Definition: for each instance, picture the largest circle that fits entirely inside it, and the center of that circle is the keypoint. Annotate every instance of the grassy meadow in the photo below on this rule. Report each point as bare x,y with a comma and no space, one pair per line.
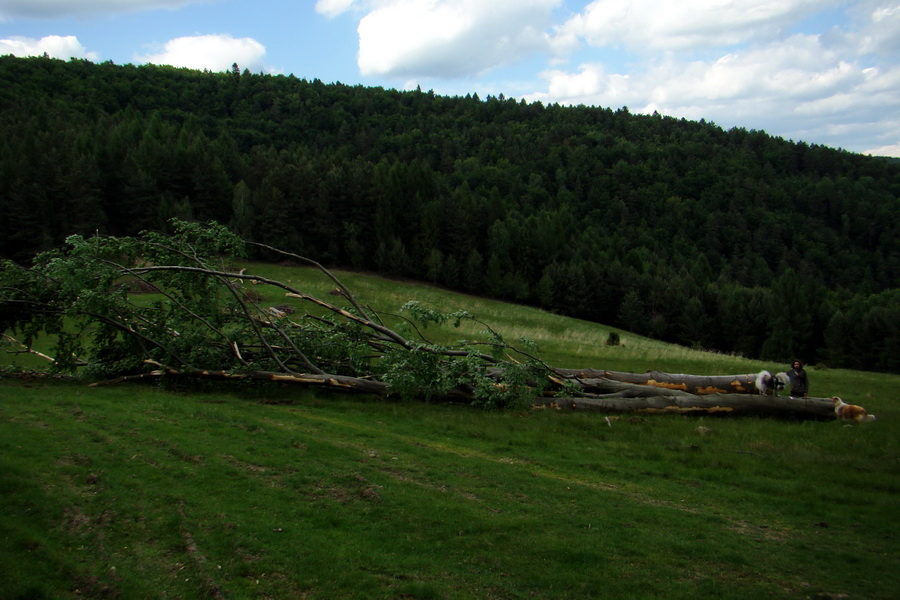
262,491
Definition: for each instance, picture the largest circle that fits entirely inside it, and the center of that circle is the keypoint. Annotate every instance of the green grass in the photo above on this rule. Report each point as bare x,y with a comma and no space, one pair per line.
267,492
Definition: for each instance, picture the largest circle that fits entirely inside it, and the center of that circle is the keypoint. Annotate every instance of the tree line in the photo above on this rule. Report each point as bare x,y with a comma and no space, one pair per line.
731,240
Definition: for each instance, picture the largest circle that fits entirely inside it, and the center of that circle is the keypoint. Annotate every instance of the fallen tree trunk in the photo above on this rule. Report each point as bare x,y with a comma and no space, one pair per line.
595,380
337,382
641,399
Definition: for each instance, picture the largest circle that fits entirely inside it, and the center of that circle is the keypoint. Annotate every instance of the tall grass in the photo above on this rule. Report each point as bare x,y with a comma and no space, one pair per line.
270,492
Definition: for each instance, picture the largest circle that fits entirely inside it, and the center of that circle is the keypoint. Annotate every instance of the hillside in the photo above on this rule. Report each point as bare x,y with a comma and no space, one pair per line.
730,240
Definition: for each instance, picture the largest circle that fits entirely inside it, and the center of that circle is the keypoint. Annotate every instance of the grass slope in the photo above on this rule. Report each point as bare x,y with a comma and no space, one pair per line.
135,492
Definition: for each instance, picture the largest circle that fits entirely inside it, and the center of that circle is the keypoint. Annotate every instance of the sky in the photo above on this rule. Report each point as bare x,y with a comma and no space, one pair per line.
818,71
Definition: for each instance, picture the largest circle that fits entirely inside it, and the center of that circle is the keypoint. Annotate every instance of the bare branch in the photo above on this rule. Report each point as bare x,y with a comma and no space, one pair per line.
344,290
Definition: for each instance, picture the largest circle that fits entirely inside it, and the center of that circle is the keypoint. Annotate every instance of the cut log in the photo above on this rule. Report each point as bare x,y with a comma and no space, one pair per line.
642,399
594,380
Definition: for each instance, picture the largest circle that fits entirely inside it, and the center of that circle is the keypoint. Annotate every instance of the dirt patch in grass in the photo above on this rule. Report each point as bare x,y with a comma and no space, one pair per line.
347,489
763,531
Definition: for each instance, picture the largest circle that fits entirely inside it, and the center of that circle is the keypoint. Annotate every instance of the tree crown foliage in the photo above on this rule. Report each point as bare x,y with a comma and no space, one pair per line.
199,318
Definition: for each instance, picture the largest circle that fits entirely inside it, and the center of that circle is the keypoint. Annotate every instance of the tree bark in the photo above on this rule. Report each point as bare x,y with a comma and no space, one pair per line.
594,380
643,399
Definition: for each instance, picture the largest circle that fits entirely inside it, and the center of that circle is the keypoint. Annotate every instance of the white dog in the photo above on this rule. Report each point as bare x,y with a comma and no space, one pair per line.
767,384
781,382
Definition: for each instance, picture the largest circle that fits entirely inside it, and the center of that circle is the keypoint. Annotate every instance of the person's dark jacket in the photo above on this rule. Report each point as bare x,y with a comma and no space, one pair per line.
799,381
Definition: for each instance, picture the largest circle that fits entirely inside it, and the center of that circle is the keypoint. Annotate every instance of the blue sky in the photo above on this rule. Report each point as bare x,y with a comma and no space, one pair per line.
821,71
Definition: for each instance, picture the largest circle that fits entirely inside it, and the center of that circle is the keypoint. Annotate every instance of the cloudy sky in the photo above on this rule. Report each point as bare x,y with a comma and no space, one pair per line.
821,71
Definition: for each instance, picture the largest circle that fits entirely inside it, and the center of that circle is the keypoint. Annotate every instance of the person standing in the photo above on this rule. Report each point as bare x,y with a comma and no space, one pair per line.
799,380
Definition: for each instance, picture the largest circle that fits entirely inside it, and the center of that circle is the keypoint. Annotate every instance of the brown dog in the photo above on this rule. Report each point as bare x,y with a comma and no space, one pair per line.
850,412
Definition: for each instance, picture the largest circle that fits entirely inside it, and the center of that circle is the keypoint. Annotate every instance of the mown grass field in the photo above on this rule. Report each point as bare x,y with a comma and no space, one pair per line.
267,492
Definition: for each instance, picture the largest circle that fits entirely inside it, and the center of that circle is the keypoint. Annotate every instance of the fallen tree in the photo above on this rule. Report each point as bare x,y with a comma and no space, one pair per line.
203,319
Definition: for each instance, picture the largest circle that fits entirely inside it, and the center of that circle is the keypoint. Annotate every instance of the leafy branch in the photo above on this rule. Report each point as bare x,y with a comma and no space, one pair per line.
202,318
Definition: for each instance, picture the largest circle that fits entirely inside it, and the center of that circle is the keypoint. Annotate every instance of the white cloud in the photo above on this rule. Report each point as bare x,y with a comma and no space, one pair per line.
736,62
797,88
653,25
63,47
891,150
837,86
448,38
333,8
879,24
212,52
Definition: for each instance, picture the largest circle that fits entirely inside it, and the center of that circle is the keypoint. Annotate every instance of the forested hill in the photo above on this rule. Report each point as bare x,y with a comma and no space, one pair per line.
730,240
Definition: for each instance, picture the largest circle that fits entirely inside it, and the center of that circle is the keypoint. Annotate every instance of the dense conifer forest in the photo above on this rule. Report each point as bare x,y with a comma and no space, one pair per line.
733,240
